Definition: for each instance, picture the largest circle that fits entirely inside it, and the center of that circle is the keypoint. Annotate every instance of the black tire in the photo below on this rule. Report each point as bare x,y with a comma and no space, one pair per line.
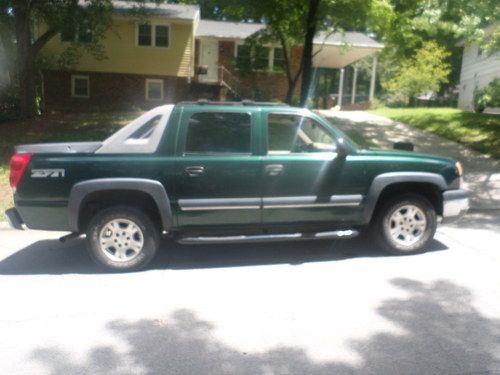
146,232
383,225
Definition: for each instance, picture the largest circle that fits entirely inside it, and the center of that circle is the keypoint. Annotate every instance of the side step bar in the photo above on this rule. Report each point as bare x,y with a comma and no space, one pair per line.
350,233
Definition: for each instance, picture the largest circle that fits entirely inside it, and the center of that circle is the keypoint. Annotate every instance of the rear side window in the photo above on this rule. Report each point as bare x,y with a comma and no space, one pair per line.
219,133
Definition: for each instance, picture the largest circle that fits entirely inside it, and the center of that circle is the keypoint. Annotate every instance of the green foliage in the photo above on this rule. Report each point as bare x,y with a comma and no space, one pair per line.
479,131
425,71
488,96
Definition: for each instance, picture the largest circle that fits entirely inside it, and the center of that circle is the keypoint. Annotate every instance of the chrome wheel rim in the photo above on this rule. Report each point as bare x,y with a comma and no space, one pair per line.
406,225
121,240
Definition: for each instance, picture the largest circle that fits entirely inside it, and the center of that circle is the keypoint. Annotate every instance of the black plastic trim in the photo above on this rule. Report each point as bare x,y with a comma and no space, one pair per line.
383,180
14,219
151,187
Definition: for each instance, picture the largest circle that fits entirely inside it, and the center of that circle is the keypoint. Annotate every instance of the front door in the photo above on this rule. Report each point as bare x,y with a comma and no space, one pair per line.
218,169
209,56
304,180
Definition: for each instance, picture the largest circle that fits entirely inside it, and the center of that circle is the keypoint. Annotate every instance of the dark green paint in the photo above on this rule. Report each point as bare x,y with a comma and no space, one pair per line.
42,202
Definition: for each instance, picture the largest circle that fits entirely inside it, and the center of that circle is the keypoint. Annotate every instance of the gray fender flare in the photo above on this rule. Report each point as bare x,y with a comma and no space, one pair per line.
383,180
151,187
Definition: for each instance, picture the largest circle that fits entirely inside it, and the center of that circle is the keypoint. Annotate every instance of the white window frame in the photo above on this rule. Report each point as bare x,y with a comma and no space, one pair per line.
153,34
155,80
74,77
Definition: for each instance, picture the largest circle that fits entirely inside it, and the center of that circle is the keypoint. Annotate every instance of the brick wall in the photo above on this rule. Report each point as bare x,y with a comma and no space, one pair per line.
258,85
117,91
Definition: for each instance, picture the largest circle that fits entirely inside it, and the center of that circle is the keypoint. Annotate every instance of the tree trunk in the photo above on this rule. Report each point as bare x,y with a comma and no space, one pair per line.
312,18
26,61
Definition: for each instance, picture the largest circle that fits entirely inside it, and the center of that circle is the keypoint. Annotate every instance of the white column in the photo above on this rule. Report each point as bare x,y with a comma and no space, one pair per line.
341,86
374,76
354,83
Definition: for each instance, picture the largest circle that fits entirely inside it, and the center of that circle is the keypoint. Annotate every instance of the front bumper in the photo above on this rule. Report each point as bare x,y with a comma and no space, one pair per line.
14,218
455,204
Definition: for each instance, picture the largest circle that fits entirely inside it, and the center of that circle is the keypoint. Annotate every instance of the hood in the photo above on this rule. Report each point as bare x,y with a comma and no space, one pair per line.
406,155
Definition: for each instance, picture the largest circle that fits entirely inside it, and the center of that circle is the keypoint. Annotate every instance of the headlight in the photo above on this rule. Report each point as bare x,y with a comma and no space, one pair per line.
458,167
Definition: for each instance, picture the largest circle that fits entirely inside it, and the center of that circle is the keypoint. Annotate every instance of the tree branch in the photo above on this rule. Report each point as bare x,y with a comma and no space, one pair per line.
42,40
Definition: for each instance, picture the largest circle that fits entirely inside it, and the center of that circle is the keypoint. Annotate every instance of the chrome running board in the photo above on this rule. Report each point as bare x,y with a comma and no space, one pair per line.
350,233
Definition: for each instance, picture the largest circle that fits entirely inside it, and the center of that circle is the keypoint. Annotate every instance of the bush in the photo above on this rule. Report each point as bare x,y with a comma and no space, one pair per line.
488,96
9,103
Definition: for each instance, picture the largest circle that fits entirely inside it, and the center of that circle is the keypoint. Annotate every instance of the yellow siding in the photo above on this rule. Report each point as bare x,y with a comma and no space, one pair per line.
124,56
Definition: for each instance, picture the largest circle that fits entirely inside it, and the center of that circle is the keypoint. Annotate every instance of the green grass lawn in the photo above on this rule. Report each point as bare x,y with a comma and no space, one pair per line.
478,131
53,128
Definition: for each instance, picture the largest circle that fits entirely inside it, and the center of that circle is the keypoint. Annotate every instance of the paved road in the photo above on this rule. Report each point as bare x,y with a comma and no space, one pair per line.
482,173
291,308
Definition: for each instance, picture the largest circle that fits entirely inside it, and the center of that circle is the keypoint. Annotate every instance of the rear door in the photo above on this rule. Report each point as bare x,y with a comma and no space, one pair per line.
218,169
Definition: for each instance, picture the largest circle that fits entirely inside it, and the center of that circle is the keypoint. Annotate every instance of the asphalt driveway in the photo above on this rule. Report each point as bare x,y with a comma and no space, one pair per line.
281,308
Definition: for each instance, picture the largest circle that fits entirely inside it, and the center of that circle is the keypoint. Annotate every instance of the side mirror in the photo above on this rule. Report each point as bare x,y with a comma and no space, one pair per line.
405,146
341,148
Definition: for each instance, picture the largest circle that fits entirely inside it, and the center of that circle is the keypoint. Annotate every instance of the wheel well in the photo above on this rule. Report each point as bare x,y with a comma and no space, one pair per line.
430,191
100,200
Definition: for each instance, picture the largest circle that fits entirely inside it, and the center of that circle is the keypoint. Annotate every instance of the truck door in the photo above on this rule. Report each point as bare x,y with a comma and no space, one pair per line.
217,168
304,179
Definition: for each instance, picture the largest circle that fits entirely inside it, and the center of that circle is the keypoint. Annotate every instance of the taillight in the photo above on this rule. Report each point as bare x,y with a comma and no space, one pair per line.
18,165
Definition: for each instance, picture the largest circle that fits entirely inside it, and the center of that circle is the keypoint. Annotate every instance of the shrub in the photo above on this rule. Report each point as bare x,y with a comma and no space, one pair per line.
488,96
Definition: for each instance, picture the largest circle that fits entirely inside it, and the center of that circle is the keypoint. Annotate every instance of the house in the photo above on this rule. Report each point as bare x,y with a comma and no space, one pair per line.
173,56
478,70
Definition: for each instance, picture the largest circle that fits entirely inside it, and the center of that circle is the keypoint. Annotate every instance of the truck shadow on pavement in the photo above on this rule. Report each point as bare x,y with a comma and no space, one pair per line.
54,257
440,332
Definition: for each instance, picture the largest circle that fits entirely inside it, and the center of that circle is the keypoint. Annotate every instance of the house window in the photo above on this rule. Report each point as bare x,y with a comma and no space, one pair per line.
243,55
144,35
80,86
279,60
262,57
153,35
154,89
219,133
161,36
80,34
68,34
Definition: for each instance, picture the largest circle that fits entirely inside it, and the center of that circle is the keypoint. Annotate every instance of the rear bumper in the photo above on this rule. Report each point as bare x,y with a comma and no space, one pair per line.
14,219
455,204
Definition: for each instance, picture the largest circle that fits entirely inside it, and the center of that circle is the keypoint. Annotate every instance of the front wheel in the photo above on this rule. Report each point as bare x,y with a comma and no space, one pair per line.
122,238
405,224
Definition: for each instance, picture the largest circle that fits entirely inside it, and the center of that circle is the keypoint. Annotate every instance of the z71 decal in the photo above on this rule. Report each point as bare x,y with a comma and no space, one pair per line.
43,173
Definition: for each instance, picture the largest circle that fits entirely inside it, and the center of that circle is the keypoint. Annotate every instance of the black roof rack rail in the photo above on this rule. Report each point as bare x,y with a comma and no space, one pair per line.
243,102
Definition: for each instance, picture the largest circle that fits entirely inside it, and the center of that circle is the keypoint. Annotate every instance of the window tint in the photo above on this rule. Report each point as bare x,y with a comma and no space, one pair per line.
145,131
218,132
161,36
295,134
144,37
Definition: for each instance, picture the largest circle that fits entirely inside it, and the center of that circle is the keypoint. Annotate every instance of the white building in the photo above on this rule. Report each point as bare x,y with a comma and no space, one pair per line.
478,70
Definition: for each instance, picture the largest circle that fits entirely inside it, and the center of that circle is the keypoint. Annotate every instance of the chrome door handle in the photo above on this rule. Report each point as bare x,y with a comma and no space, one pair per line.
194,171
274,169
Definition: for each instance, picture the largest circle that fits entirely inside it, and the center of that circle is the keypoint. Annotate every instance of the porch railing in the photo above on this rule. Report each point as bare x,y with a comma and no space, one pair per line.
229,81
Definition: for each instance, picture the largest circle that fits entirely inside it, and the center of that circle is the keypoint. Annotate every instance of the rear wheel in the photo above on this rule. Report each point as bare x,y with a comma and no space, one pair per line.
405,224
122,238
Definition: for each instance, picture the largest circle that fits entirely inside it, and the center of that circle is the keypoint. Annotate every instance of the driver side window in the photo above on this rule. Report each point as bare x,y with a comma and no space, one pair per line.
288,134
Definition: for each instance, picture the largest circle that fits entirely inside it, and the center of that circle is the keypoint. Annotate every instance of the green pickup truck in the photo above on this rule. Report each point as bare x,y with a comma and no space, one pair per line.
206,172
